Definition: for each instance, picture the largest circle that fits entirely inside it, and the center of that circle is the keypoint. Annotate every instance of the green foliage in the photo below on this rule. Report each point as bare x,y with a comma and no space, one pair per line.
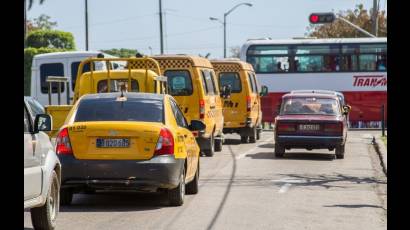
339,29
124,53
28,59
41,23
51,39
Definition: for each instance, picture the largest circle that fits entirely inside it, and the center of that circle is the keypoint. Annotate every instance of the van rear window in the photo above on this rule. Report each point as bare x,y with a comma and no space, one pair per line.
51,69
102,86
179,82
231,79
109,109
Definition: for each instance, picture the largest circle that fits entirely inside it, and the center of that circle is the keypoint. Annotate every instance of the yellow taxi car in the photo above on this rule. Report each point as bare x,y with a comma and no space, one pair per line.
128,141
242,108
191,81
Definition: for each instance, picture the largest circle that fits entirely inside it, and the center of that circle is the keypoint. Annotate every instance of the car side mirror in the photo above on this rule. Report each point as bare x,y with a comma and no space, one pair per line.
196,125
226,91
264,90
42,122
346,109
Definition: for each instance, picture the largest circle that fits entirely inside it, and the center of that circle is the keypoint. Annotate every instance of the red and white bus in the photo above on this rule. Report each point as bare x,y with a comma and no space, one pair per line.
357,67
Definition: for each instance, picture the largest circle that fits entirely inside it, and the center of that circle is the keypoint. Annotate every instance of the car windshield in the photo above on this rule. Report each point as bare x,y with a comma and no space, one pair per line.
113,109
310,105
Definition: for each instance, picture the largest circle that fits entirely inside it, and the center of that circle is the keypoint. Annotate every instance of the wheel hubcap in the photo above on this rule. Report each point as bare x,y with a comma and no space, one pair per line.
53,201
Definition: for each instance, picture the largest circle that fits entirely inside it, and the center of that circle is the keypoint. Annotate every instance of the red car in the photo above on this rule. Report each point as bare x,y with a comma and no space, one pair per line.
311,121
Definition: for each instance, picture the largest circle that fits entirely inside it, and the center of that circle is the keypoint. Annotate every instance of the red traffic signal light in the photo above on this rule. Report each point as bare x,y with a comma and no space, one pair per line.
318,18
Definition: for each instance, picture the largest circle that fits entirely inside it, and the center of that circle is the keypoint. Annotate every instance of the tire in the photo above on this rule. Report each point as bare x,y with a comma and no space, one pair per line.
176,195
258,134
218,145
252,137
44,217
340,152
279,150
210,152
193,186
244,139
66,196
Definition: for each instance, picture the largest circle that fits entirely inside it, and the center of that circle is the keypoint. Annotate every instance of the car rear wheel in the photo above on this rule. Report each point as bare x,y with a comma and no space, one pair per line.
252,137
340,152
44,217
279,150
210,151
193,186
176,195
66,196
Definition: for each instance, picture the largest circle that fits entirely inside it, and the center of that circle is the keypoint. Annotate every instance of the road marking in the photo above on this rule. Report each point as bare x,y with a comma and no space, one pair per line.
284,188
242,155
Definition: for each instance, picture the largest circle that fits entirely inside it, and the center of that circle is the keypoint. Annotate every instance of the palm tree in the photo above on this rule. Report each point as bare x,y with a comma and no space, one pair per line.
30,3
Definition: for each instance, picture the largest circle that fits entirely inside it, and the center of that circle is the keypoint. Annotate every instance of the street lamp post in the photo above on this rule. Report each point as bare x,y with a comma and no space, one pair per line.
224,21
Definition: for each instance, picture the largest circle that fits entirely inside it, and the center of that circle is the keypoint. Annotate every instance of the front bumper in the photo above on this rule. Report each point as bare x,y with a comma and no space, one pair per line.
313,142
146,175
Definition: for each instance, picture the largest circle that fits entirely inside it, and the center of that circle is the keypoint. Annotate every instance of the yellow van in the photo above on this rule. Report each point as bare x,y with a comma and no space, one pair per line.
242,108
192,82
143,79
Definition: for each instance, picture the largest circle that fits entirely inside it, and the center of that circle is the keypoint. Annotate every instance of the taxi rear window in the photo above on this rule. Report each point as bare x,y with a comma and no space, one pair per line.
111,109
179,82
231,79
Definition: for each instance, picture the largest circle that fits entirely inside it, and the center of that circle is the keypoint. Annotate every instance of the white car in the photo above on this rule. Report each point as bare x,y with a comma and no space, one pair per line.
42,170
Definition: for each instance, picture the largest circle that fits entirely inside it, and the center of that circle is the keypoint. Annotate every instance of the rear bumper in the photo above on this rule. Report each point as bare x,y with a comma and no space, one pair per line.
314,142
147,175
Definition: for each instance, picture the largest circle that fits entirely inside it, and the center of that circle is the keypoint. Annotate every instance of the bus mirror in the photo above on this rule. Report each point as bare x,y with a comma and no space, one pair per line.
264,90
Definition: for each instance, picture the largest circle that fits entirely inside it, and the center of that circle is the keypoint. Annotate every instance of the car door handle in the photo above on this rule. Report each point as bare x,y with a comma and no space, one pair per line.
212,107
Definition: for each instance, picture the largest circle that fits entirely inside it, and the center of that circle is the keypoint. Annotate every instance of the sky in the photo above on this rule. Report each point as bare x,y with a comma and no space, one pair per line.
134,24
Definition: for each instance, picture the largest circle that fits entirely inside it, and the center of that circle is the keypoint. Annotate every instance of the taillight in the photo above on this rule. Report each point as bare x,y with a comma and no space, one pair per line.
286,127
165,144
248,103
201,109
63,145
333,128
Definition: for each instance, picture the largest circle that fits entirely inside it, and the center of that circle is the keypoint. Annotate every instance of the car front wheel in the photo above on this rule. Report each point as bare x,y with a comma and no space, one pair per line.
45,217
193,186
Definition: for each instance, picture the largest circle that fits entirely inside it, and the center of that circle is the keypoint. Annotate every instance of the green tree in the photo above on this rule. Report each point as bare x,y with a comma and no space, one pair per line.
235,51
124,53
339,29
51,39
41,23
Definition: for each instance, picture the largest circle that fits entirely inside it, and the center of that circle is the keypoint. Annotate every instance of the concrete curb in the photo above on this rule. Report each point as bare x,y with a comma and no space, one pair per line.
381,150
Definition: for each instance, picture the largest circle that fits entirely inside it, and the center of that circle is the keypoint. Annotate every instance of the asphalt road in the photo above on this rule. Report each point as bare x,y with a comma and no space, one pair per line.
246,187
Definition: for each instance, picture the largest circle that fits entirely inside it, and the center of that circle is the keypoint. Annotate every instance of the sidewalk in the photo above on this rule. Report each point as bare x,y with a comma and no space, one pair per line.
382,150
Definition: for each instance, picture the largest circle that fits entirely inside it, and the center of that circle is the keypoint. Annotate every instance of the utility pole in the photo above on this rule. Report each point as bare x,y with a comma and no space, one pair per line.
160,27
225,35
86,25
375,17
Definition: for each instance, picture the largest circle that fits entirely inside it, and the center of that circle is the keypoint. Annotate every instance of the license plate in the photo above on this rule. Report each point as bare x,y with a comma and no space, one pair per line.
113,143
309,127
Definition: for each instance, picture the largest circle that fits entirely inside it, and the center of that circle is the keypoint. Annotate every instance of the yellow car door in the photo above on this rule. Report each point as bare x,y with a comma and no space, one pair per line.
187,139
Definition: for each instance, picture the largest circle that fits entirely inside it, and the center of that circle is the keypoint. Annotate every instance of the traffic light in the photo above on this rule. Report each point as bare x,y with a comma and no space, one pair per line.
319,18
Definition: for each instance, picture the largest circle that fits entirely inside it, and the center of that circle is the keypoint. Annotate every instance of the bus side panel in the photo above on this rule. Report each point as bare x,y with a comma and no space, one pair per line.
366,105
270,104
